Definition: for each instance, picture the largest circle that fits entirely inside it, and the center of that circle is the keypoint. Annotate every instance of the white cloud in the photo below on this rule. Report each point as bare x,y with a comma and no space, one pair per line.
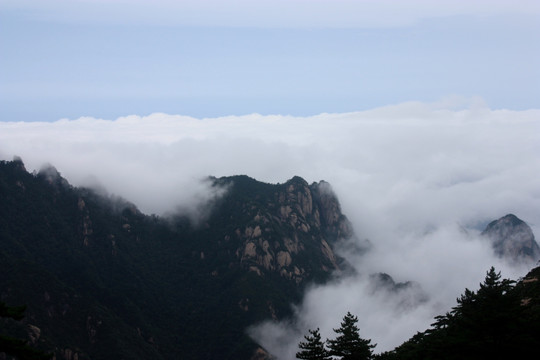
400,162
268,13
408,177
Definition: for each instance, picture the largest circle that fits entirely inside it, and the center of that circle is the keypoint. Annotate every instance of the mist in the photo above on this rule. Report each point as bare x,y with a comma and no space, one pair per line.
418,180
440,264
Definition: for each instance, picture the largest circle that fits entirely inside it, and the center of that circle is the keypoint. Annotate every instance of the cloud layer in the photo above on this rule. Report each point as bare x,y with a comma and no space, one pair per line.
411,177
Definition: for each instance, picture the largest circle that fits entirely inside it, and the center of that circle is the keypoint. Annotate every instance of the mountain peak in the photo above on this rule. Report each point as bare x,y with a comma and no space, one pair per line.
296,180
17,161
288,228
512,238
53,177
511,219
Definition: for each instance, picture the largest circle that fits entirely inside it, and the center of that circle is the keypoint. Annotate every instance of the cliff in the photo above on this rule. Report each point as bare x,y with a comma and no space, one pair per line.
288,229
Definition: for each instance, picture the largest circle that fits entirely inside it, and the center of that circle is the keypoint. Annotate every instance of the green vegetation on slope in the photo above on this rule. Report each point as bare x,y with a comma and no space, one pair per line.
102,280
501,320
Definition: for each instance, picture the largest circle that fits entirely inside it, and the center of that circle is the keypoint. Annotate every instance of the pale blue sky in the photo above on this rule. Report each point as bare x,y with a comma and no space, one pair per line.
115,58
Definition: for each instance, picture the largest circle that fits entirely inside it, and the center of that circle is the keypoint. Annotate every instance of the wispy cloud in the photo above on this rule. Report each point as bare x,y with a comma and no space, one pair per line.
410,177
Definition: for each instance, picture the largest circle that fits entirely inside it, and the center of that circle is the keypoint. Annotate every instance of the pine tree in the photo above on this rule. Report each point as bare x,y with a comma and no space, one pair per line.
480,326
313,348
499,321
348,345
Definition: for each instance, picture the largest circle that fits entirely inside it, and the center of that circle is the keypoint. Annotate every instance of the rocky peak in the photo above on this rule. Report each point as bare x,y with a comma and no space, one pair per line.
512,238
52,176
298,195
330,210
18,163
287,228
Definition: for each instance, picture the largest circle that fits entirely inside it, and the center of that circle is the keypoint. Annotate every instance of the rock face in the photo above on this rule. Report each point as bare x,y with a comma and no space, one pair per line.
513,239
286,229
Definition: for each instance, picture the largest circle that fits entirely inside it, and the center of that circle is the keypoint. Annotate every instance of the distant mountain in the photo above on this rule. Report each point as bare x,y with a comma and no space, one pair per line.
500,320
101,280
512,238
382,282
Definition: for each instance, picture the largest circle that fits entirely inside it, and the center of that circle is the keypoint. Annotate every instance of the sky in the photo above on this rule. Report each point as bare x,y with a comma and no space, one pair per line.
73,58
423,116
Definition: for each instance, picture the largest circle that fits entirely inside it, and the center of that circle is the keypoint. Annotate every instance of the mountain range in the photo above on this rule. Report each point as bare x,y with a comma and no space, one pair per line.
102,280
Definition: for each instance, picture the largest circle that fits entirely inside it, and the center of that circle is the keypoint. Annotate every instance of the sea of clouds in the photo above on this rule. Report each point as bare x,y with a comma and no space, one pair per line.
419,180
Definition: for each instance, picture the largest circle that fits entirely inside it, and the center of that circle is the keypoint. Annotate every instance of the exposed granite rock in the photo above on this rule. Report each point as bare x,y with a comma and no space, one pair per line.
291,228
34,333
86,222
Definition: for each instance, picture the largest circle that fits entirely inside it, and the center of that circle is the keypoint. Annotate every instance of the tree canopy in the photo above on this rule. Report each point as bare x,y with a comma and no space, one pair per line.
313,348
348,345
498,321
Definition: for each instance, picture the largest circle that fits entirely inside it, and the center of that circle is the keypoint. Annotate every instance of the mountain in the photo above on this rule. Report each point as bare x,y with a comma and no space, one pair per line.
384,283
512,238
102,280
